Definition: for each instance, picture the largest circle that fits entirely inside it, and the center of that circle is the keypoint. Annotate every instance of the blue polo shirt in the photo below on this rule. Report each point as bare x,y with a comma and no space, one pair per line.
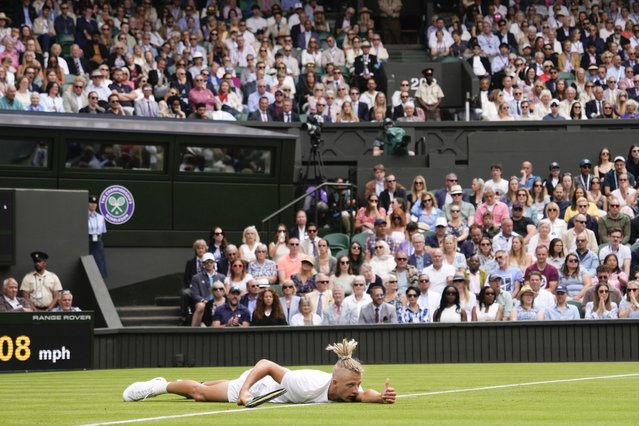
555,314
224,313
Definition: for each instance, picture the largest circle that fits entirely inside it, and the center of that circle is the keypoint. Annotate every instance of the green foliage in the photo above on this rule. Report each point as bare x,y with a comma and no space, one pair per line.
95,396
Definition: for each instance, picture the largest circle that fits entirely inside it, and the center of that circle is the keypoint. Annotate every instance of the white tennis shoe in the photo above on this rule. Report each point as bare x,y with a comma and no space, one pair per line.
143,390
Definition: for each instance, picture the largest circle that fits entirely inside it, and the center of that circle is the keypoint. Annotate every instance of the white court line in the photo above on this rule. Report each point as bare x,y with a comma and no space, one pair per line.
413,395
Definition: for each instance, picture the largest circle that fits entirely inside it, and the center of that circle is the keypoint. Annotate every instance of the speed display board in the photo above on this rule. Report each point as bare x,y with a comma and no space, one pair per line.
46,341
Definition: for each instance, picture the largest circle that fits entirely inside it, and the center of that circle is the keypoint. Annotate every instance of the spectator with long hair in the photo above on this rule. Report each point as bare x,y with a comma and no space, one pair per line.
355,256
450,310
278,247
601,306
487,309
238,276
268,310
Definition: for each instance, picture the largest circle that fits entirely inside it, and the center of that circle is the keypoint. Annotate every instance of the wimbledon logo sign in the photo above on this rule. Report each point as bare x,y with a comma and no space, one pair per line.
117,204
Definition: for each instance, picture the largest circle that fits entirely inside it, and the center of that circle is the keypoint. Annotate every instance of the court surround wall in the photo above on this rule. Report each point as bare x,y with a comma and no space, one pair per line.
569,341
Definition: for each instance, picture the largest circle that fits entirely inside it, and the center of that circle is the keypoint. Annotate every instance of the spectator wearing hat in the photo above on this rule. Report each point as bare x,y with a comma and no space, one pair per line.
526,310
389,11
561,310
585,175
436,240
232,314
554,112
40,286
429,96
98,86
467,210
201,283
365,67
611,179
511,276
97,228
502,298
379,235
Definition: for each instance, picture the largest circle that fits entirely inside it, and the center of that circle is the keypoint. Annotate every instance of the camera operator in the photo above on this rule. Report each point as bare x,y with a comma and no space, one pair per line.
391,140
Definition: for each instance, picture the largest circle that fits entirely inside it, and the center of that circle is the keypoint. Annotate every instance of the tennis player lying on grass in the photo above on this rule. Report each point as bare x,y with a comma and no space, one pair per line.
302,386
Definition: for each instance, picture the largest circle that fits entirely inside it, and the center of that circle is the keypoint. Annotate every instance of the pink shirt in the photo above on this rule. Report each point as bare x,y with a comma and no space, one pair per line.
289,266
500,211
204,96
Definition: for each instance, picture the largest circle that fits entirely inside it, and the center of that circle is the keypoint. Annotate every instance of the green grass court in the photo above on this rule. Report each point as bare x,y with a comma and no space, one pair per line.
89,397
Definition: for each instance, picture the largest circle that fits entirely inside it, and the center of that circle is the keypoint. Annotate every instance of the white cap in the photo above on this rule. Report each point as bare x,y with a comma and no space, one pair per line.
208,256
441,221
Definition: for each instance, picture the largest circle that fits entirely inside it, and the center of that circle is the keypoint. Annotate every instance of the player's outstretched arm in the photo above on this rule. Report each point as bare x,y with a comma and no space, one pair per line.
387,396
262,369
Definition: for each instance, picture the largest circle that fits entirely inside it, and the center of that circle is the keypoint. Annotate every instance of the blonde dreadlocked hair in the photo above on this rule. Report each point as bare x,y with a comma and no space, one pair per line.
344,352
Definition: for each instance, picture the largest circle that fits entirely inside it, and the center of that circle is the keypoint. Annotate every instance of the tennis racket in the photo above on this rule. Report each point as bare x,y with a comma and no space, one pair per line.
259,400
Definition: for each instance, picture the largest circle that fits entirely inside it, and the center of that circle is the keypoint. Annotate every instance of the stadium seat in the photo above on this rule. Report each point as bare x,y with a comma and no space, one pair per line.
340,253
361,238
579,306
337,241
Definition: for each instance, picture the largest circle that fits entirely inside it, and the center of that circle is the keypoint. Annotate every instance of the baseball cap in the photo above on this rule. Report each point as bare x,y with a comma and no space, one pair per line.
441,221
585,162
456,189
554,165
561,289
93,198
380,221
494,277
554,102
208,256
235,289
619,158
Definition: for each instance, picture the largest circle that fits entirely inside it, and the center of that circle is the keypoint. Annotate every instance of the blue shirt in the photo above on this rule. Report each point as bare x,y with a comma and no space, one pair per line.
555,314
224,313
588,262
508,278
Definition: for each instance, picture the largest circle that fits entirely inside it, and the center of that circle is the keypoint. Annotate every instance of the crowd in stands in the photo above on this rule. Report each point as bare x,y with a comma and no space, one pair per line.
556,247
268,61
546,60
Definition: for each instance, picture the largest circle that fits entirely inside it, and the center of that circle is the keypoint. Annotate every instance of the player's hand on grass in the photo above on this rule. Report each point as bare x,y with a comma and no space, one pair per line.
388,394
245,396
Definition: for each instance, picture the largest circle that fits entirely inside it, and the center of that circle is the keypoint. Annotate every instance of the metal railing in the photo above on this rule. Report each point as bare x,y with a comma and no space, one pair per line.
314,192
